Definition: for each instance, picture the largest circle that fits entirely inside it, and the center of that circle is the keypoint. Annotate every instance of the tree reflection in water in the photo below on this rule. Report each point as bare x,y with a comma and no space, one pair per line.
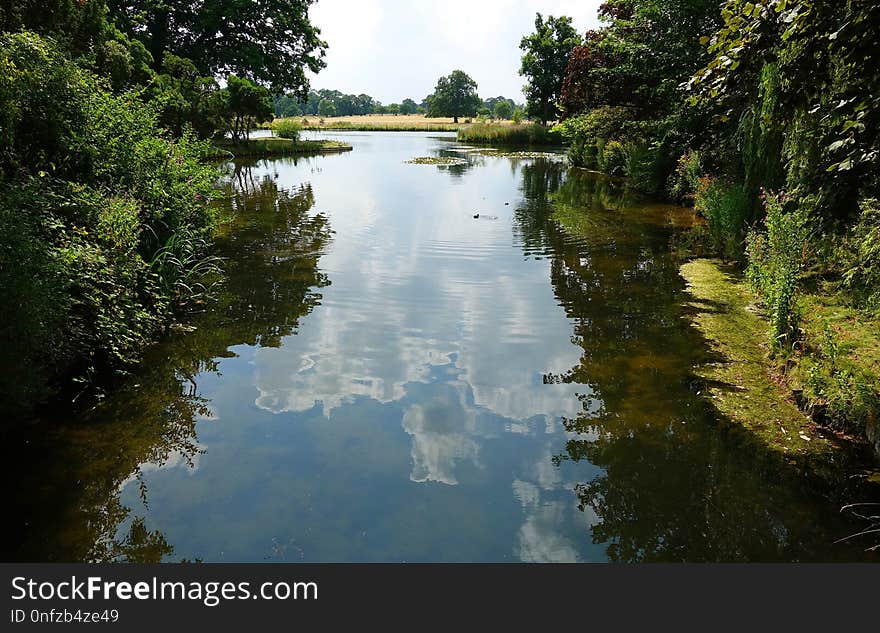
271,246
674,486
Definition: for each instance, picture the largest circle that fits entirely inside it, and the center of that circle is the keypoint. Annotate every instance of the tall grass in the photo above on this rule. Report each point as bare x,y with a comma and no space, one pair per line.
505,134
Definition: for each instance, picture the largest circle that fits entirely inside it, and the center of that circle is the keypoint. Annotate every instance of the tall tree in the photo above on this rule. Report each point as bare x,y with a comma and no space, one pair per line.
271,42
455,96
544,62
245,104
408,106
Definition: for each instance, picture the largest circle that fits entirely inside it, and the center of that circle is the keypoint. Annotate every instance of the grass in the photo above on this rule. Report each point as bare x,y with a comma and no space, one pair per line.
742,384
275,146
836,368
497,133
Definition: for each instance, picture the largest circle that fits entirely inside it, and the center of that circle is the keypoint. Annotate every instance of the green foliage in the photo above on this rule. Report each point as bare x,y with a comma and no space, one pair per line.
503,110
91,192
685,181
726,208
860,257
287,128
242,105
271,42
408,106
286,106
587,132
326,108
503,134
544,61
517,115
184,99
804,74
76,25
612,160
841,392
775,261
455,95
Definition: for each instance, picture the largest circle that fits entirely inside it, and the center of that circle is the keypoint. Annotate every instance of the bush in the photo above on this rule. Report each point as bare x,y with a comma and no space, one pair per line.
287,128
92,191
847,394
613,158
861,257
685,181
775,260
645,168
586,132
726,208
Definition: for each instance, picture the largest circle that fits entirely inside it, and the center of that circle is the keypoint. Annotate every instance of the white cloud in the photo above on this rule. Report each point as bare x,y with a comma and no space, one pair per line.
394,49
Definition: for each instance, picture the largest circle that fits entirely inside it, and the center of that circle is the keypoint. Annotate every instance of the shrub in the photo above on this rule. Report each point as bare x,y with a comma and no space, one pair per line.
612,160
775,260
90,192
847,392
287,128
685,181
584,133
645,168
726,208
861,257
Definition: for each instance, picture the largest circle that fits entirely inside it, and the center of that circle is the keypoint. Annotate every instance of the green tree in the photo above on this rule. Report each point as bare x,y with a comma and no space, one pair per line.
183,98
408,106
503,110
544,62
243,105
271,42
326,108
455,95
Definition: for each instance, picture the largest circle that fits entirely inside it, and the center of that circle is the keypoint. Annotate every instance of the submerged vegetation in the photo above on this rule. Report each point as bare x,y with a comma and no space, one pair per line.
437,160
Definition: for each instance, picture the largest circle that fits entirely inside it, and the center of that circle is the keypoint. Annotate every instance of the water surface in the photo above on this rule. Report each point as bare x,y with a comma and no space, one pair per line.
386,377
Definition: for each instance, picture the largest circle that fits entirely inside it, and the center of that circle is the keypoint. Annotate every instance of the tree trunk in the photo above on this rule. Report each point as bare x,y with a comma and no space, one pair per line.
455,119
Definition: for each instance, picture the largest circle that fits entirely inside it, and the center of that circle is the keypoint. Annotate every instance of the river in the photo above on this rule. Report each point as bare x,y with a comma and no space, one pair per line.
386,377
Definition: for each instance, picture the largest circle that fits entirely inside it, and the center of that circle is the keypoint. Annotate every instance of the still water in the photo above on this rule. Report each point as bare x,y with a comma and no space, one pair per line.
386,377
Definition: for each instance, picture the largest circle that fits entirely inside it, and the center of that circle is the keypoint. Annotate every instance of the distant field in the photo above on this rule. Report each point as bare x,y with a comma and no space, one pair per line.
402,122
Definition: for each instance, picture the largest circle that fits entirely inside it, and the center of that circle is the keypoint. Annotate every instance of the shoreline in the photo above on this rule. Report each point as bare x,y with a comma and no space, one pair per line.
746,387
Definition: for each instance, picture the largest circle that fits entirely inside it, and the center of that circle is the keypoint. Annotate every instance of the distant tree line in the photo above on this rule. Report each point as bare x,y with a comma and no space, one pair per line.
328,103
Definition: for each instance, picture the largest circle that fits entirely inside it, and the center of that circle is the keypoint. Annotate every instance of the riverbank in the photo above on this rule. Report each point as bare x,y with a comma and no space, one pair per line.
759,396
275,146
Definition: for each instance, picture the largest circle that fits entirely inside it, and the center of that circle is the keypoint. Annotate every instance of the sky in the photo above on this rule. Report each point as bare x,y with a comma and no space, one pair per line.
394,49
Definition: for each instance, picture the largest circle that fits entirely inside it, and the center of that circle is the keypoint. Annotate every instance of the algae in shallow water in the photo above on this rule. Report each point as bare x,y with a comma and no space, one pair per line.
437,160
741,384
